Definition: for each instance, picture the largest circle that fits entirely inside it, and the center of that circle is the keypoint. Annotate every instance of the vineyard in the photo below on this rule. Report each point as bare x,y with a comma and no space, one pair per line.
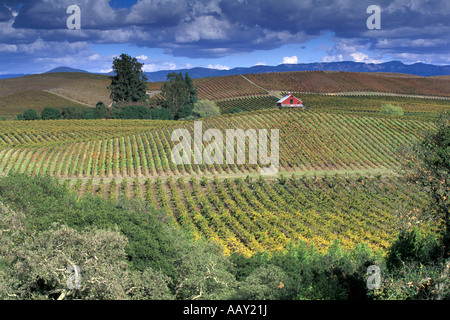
354,103
219,88
249,215
309,141
317,197
328,82
248,104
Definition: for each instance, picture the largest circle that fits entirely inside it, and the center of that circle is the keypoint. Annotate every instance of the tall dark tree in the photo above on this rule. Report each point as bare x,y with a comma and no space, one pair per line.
192,89
180,94
129,82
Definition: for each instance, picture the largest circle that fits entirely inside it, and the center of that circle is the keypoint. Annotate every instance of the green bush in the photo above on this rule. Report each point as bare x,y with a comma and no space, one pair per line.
88,114
264,283
161,114
185,111
233,110
194,269
205,108
50,113
71,113
100,110
132,112
413,246
30,114
391,109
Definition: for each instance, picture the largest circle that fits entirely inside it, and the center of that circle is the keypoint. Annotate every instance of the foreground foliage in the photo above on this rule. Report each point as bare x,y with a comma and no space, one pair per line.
129,251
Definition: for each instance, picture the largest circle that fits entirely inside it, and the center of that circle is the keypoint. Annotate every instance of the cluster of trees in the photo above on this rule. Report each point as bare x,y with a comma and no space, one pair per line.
70,112
128,85
129,93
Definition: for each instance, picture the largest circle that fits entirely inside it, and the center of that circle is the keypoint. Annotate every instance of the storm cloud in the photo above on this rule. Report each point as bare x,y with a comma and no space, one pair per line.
217,28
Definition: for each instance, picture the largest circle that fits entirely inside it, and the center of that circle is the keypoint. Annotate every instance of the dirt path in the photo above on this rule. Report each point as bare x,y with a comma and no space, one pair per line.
67,98
254,83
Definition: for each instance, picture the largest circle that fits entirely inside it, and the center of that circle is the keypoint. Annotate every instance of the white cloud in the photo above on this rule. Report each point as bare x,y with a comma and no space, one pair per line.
333,58
218,67
95,57
362,57
260,64
142,57
158,67
203,28
8,47
290,60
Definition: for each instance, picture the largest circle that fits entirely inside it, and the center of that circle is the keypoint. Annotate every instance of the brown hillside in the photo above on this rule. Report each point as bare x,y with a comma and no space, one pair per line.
333,82
82,87
13,104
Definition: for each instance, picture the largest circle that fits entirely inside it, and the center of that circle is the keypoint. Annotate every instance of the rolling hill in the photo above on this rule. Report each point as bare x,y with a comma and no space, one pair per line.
52,90
85,89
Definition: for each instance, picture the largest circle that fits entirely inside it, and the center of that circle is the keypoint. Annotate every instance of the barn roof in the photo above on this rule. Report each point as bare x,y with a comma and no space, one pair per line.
287,97
283,99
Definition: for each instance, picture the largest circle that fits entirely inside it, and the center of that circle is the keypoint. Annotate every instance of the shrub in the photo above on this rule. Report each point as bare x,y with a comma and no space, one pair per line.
161,114
133,112
391,109
413,246
71,113
88,114
100,110
266,282
50,113
30,114
154,251
233,110
205,108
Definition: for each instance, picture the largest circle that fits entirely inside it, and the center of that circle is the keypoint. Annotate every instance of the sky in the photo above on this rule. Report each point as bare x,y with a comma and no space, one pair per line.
37,35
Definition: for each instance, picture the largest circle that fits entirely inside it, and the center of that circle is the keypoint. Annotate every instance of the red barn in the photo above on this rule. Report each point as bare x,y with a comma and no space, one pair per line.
290,101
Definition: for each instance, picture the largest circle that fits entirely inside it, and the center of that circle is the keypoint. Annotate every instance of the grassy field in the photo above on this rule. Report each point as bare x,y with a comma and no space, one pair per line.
357,103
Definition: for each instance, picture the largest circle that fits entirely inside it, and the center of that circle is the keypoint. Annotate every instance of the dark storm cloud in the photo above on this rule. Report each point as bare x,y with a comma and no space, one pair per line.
214,28
5,14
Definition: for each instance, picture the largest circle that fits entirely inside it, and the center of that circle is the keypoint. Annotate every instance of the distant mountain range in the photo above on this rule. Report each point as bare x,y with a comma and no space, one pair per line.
419,69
